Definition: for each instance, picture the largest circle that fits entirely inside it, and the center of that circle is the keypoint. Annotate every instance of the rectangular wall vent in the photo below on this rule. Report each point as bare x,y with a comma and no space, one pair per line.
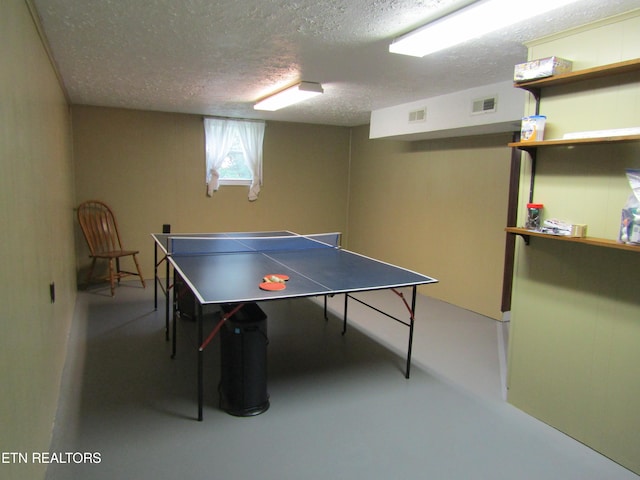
418,115
484,105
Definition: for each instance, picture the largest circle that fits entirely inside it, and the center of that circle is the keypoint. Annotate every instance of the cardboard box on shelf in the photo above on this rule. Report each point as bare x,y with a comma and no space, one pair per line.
541,68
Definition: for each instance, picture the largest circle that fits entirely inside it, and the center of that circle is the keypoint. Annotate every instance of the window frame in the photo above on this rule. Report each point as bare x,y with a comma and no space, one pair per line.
222,133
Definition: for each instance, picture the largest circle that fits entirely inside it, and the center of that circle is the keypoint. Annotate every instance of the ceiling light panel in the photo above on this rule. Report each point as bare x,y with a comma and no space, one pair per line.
297,93
471,22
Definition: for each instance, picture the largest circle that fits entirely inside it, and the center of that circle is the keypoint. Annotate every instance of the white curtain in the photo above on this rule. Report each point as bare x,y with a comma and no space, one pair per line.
251,136
218,139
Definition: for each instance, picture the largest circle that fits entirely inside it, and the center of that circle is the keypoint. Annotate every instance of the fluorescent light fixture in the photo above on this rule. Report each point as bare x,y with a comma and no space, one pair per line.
471,22
289,96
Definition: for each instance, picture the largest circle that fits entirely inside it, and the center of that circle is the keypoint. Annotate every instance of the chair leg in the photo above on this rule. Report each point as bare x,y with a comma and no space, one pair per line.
139,271
112,278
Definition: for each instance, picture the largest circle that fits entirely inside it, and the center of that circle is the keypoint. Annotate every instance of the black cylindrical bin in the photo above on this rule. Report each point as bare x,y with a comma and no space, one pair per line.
243,347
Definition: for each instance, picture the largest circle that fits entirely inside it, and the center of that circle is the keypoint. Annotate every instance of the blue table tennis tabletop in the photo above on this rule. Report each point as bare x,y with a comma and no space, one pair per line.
235,277
218,273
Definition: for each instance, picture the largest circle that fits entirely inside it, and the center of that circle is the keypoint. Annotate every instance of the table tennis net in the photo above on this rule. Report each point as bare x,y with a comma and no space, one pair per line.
220,245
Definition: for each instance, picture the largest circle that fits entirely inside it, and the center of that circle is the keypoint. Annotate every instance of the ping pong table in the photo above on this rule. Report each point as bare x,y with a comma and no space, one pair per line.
229,269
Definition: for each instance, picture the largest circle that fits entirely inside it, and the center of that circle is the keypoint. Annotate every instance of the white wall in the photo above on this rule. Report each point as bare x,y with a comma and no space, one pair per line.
451,115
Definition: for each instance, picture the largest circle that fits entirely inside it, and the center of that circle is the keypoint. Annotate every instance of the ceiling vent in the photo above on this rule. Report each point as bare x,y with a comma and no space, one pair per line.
484,105
418,115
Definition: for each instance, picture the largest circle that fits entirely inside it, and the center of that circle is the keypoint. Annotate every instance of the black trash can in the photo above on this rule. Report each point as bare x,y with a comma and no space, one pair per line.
243,349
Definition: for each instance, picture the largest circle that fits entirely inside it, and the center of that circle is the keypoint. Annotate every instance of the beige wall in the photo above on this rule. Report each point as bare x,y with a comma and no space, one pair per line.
438,207
150,168
574,357
36,214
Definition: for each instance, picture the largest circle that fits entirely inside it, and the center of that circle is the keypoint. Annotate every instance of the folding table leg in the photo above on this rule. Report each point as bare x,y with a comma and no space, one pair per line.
174,302
155,275
325,308
344,319
200,362
413,312
166,302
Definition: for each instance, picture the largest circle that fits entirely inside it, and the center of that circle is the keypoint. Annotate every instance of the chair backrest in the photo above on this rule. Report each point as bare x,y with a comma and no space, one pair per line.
99,227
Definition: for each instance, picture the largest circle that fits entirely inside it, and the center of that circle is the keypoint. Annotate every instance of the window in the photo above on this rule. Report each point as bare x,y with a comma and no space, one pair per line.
234,154
234,169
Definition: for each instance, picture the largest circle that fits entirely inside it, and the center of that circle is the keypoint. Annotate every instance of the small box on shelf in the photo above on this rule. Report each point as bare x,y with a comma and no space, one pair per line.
541,68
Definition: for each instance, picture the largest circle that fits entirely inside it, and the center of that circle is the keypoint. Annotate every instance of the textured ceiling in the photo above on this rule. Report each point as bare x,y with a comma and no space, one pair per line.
219,57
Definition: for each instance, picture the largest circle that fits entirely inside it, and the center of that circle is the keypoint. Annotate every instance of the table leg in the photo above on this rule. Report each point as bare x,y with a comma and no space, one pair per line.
200,362
413,312
325,308
166,301
174,335
155,275
344,319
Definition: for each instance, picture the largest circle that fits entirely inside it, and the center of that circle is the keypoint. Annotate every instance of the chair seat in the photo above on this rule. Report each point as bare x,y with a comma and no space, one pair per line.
115,253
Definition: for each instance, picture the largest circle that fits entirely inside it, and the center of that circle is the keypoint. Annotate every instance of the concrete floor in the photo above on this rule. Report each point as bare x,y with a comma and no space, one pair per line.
340,406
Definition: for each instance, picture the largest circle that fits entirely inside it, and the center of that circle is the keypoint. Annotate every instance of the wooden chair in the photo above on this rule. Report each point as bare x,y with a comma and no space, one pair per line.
100,230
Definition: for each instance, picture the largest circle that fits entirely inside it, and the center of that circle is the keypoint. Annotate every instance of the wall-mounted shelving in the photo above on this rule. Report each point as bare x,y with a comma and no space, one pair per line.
535,87
574,142
619,68
597,242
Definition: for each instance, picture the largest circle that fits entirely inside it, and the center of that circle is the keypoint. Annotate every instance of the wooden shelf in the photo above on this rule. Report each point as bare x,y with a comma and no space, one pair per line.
598,242
534,86
561,142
